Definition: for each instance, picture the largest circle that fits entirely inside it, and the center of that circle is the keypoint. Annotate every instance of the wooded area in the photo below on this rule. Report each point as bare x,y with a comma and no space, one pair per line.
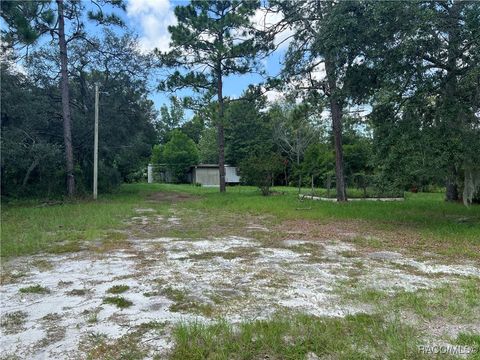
377,95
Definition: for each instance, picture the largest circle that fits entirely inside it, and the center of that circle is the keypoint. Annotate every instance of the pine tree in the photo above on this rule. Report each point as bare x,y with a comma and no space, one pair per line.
213,39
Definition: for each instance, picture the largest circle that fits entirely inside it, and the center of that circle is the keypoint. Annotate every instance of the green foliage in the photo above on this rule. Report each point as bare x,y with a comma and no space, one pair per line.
118,289
179,154
318,162
118,301
426,114
34,289
260,170
248,129
32,136
26,20
157,155
169,119
207,30
193,128
208,148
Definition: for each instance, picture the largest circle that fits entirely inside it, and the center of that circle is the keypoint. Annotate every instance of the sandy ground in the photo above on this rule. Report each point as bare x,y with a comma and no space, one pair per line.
171,280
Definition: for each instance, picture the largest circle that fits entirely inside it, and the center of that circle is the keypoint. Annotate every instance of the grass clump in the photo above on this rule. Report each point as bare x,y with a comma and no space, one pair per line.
118,289
295,337
182,303
91,315
99,347
34,289
77,292
14,322
118,301
451,301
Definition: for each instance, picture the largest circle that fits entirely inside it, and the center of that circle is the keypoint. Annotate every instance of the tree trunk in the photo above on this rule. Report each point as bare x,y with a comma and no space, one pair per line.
451,187
336,111
67,118
452,120
221,135
32,166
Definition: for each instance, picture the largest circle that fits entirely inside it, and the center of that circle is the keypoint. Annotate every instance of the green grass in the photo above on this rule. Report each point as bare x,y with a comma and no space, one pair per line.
118,289
472,341
449,298
29,228
118,301
294,337
34,289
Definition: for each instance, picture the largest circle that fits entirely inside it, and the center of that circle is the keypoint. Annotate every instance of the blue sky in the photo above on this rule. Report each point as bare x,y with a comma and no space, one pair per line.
150,20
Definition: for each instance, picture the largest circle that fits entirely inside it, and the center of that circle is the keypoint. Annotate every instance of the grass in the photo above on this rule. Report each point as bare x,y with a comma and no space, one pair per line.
128,346
29,227
182,303
118,289
14,322
296,337
449,229
118,301
472,341
77,292
34,289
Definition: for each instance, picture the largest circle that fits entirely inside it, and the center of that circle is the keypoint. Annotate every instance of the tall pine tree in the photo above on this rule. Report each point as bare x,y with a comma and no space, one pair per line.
212,40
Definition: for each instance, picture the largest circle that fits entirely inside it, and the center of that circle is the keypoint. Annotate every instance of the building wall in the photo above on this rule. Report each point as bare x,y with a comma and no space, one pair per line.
231,175
207,176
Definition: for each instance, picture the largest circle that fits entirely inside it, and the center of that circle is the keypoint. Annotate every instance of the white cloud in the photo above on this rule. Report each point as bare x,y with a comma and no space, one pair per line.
274,96
265,19
153,17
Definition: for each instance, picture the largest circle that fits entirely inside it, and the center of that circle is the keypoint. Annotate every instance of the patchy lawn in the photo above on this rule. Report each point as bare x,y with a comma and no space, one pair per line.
185,273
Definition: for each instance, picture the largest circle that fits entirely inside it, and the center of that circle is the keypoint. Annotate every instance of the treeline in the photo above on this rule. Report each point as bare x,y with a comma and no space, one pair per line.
33,154
414,65
282,143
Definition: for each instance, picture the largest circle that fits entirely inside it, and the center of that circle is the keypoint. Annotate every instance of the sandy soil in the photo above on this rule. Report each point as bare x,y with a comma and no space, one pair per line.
171,280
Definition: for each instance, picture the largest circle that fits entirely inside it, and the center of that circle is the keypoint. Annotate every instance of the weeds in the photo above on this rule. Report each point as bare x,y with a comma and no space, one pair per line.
118,289
34,289
118,301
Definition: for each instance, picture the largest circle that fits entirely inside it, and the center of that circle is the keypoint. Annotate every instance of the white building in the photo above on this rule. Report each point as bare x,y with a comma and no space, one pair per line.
208,175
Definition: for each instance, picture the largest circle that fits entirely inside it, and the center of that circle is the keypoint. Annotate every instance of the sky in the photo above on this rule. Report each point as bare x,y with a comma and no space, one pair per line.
150,20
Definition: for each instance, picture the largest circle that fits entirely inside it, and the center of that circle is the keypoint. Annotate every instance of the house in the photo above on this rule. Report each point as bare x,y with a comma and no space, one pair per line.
208,175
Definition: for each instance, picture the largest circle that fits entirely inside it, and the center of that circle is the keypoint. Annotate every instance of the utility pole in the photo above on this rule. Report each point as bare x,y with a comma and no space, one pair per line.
95,147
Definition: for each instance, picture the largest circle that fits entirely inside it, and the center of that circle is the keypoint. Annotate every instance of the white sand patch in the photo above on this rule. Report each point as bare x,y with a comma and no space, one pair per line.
237,278
144,210
173,220
431,268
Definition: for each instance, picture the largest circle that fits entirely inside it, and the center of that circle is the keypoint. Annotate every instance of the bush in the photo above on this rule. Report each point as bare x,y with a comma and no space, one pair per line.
179,154
260,170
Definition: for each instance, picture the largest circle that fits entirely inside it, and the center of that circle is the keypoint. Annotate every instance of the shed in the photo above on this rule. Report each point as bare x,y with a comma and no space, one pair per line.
208,175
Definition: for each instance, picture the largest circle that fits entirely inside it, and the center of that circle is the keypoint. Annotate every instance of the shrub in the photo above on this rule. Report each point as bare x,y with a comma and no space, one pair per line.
260,170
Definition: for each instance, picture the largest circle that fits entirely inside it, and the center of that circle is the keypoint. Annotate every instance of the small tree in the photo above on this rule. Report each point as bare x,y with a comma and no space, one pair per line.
179,154
260,170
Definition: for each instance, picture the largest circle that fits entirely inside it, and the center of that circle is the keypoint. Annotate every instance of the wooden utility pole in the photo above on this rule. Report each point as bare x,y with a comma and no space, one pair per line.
95,147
